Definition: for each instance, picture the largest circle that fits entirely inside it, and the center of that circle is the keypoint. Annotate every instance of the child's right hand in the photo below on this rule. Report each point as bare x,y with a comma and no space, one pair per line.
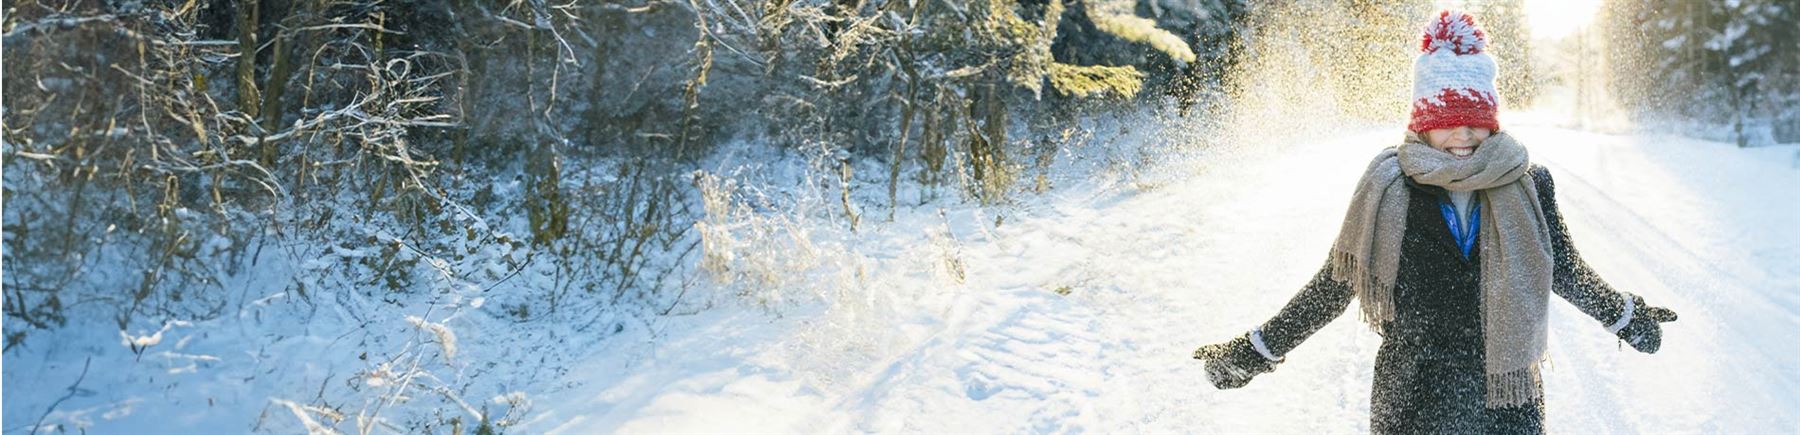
1231,364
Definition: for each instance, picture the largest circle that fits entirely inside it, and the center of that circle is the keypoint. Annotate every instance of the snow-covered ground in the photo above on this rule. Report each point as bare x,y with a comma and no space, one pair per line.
1149,274
1073,311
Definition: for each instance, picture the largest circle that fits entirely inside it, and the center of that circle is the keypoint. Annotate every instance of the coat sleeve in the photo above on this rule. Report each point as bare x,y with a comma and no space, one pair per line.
1318,303
1573,280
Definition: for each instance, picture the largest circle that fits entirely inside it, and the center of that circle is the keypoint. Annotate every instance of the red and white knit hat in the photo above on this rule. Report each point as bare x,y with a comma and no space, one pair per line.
1453,78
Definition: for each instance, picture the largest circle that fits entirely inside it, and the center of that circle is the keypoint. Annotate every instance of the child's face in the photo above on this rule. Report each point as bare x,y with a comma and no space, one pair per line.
1458,141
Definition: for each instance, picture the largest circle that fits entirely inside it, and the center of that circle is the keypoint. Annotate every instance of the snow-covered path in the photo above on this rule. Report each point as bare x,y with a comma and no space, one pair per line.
1079,312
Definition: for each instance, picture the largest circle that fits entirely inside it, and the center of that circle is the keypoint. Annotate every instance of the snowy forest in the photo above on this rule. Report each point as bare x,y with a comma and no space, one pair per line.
599,216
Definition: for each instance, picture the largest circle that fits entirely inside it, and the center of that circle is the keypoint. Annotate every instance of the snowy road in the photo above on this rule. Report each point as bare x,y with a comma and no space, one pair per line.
1149,274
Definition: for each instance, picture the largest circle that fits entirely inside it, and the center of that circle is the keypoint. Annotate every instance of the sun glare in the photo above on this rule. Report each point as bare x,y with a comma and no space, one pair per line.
1554,19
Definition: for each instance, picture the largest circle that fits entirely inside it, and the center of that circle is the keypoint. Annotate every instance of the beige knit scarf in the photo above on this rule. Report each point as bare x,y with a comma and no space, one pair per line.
1514,241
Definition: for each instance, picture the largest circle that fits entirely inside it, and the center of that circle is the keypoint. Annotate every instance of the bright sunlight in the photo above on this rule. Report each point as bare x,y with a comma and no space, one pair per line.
1554,19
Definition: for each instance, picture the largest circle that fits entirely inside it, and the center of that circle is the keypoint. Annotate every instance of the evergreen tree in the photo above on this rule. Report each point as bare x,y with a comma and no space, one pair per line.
1718,63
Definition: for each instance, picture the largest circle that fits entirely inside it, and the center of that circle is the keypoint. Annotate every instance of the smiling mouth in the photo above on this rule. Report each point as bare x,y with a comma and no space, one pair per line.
1462,152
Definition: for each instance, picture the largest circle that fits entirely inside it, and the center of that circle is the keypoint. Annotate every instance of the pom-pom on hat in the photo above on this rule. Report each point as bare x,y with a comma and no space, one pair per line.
1453,78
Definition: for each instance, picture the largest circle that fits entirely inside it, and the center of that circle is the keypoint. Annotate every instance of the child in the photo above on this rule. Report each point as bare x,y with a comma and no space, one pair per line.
1453,243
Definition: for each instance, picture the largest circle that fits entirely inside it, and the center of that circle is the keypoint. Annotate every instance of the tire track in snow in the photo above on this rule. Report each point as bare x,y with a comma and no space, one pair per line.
1043,351
1022,360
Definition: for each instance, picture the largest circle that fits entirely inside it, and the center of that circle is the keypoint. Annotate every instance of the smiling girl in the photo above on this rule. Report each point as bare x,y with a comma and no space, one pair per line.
1452,244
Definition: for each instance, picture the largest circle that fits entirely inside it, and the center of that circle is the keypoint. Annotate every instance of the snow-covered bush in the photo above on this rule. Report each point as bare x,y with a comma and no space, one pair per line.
766,251
136,159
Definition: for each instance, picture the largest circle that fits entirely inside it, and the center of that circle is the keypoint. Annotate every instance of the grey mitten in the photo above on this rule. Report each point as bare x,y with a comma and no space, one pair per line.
1643,329
1231,364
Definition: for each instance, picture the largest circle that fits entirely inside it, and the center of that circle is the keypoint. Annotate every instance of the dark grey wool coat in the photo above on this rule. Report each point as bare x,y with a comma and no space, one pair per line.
1429,375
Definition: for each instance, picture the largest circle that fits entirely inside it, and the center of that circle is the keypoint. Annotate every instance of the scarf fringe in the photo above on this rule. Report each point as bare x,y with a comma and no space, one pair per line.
1514,389
1377,305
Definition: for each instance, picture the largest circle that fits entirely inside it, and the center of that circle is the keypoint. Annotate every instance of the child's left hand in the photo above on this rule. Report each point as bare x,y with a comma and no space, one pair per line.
1644,333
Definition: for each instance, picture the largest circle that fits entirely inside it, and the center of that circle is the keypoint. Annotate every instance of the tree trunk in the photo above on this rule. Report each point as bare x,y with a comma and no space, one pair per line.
248,100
